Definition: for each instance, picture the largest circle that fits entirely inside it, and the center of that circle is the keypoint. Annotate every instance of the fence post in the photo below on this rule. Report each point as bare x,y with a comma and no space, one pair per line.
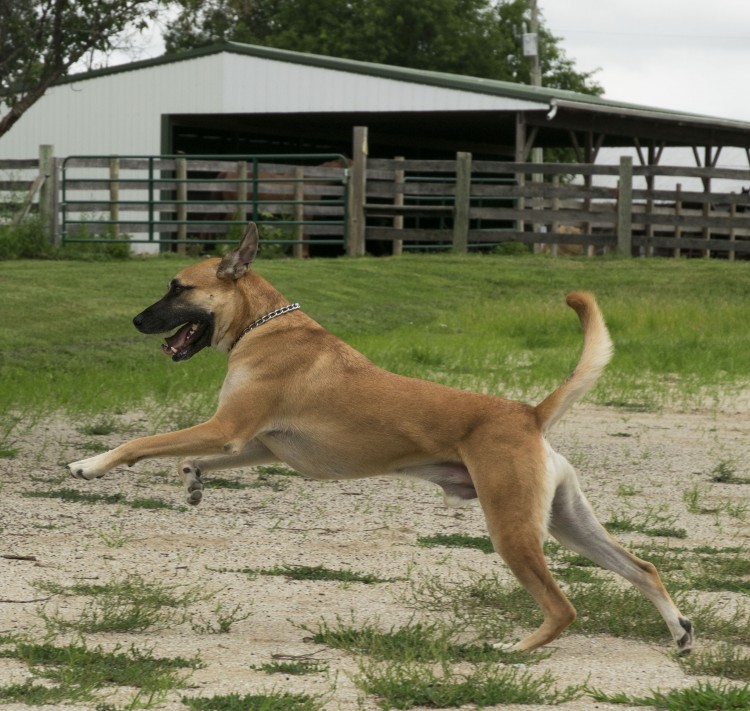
182,192
398,200
355,246
299,249
461,202
625,208
678,227
48,190
114,197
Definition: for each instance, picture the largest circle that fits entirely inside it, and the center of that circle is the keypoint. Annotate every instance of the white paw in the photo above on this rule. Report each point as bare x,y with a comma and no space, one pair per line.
91,468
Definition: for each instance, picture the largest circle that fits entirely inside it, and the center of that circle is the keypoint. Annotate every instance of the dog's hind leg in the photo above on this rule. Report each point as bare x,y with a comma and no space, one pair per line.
574,524
190,470
514,494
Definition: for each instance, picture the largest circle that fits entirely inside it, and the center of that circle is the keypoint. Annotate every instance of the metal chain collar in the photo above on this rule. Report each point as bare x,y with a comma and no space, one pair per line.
264,319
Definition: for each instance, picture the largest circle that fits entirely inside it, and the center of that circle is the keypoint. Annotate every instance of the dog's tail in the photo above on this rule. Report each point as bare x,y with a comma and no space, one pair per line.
597,350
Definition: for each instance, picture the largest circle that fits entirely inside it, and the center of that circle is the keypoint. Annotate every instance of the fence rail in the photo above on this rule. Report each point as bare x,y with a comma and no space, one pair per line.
395,203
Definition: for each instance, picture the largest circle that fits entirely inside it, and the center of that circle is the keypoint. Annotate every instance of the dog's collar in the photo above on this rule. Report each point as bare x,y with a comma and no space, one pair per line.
264,319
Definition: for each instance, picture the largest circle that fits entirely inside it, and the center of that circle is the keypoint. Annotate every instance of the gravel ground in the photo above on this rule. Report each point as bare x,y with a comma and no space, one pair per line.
368,526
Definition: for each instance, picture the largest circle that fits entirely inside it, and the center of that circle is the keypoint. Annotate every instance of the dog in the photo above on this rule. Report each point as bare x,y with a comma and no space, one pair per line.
295,393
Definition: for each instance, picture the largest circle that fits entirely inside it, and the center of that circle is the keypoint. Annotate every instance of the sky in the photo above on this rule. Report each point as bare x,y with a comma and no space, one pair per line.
686,55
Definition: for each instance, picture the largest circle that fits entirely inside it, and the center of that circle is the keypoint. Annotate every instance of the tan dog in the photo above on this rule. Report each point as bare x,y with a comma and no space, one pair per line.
297,394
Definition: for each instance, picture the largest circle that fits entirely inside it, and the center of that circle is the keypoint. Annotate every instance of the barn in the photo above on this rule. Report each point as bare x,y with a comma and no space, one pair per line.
234,99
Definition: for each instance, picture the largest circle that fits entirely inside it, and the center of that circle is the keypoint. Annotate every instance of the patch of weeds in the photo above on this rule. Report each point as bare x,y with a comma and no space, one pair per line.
414,642
102,426
457,540
76,671
714,622
298,667
275,470
8,452
403,686
702,697
128,605
219,482
625,490
74,496
319,572
94,447
225,618
280,701
725,472
631,406
116,537
692,497
724,660
624,524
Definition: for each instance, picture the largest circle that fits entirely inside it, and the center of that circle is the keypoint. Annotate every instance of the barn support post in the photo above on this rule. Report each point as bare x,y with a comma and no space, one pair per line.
461,202
625,207
355,229
48,191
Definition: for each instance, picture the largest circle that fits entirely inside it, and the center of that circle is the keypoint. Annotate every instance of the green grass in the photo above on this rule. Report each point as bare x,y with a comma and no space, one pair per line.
471,321
74,496
74,671
320,572
702,697
457,540
280,701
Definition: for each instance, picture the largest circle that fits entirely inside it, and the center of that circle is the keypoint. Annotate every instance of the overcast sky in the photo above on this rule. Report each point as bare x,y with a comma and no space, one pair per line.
674,54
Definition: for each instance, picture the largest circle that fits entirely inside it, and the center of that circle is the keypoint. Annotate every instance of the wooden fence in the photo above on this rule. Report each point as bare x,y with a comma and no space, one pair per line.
587,208
392,205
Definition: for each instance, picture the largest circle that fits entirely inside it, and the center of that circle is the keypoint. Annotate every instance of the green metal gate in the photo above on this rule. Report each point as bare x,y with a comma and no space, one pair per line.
175,201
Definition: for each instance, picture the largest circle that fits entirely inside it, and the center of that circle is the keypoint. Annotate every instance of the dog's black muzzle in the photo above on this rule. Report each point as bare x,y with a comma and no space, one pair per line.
195,327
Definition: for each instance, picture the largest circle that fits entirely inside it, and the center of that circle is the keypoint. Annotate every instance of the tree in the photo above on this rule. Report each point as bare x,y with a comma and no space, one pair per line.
41,39
471,37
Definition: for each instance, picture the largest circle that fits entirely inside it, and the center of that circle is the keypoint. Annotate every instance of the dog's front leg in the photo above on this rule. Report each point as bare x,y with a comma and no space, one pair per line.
211,437
191,469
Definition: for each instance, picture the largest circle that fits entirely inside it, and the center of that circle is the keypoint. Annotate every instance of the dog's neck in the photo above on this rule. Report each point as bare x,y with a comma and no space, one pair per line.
263,319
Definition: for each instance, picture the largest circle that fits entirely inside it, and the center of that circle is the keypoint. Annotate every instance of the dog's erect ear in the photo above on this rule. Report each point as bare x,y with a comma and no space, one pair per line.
235,264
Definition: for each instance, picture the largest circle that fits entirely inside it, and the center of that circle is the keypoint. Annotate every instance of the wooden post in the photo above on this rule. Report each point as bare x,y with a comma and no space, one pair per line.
732,231
182,191
398,200
555,226
625,207
241,211
299,250
678,227
48,190
462,202
520,157
114,196
355,245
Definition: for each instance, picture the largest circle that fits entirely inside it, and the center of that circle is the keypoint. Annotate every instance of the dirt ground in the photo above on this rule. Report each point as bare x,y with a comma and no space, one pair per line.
367,526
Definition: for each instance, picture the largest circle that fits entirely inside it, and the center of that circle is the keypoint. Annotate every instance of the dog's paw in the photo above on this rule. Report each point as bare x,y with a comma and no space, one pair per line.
191,477
91,468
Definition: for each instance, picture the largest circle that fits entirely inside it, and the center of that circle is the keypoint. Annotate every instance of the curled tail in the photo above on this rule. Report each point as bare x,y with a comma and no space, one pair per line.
597,350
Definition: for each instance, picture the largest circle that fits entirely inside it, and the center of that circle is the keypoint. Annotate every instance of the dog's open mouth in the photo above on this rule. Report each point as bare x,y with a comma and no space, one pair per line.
187,341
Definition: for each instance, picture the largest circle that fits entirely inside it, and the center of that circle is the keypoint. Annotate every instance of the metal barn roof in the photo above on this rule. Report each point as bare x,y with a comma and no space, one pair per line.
270,94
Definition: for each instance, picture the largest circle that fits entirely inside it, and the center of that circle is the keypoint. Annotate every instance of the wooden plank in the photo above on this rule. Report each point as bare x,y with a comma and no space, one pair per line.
462,202
697,243
19,163
624,226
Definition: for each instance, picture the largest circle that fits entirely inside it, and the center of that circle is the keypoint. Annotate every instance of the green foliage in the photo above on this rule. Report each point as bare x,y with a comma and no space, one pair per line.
469,37
41,39
702,697
28,240
457,540
319,572
281,701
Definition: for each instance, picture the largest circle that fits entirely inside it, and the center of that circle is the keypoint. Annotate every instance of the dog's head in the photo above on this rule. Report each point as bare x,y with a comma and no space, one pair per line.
199,301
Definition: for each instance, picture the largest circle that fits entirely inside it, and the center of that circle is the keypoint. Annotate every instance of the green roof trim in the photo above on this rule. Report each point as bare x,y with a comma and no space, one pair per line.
545,96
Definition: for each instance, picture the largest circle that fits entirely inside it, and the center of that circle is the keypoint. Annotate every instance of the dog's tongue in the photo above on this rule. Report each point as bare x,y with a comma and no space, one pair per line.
178,341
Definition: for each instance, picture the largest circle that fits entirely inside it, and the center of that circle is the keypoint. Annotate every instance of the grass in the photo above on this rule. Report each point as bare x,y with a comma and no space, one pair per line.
702,697
473,321
130,604
74,496
281,701
457,540
74,672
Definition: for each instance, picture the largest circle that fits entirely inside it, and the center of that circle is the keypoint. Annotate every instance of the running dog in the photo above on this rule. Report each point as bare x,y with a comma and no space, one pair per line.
295,393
